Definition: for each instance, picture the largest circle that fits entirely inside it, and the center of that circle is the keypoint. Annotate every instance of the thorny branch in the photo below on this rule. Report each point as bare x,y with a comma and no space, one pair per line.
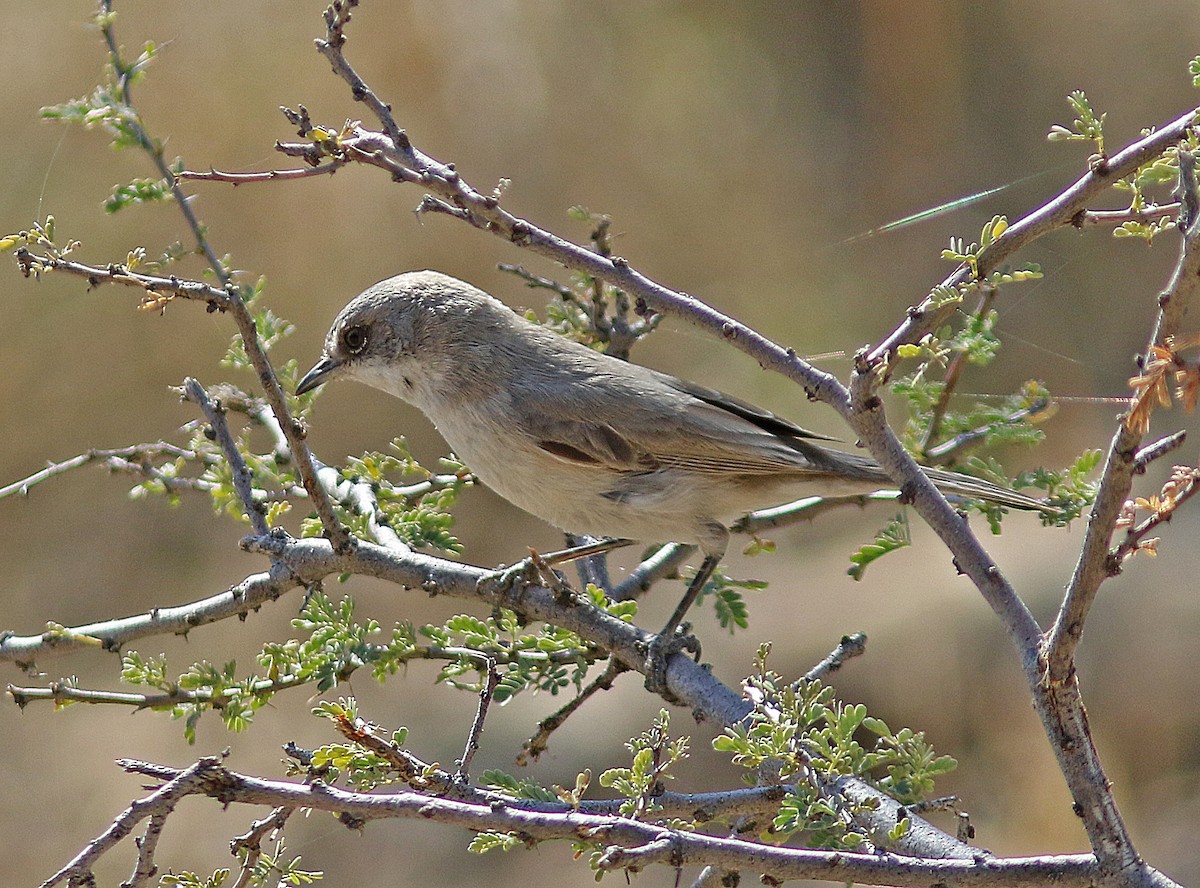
627,842
300,562
1063,713
1177,301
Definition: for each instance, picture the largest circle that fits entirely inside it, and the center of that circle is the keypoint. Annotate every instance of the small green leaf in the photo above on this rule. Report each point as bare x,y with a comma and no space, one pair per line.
892,537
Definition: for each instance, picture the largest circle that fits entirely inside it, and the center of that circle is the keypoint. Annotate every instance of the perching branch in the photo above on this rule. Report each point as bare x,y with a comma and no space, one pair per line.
627,842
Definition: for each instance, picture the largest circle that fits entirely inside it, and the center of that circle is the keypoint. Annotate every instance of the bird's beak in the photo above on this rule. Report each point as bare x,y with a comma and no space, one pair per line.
318,374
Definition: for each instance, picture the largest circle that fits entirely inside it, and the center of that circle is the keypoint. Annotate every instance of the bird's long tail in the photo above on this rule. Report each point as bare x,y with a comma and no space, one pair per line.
852,464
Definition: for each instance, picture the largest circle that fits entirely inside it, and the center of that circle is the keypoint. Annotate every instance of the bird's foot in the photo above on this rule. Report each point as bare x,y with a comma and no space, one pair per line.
532,571
659,651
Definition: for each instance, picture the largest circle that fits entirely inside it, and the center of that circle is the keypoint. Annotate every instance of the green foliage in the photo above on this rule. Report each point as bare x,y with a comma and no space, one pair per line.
271,328
1087,126
549,659
107,106
1069,489
728,601
501,781
1161,171
274,869
958,252
654,753
189,879
801,733
334,646
893,536
494,841
140,191
362,768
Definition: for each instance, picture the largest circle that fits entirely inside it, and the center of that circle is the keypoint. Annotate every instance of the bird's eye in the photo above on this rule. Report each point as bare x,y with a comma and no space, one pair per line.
355,339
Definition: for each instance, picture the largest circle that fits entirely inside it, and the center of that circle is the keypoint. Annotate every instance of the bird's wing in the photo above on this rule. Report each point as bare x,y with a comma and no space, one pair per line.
764,419
641,420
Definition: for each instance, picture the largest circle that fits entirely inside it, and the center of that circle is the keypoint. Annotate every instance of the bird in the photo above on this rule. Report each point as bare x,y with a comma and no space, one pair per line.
590,443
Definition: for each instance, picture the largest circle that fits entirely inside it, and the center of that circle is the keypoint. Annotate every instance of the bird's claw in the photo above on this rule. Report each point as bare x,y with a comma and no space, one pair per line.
503,580
531,571
659,651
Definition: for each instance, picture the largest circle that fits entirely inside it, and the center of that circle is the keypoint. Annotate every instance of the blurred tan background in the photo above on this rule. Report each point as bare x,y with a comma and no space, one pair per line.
736,146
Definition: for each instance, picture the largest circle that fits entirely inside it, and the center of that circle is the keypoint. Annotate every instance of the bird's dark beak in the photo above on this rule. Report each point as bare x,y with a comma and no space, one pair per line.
318,374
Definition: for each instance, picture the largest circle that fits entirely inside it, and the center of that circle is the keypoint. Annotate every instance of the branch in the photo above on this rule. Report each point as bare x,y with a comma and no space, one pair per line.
487,687
1183,484
540,741
1181,296
131,458
1065,209
629,841
302,563
157,805
424,776
849,647
235,179
243,481
231,298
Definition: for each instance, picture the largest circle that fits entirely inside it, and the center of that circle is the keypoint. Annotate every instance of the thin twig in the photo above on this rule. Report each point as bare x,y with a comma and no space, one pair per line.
664,562
124,458
215,175
950,383
850,646
426,776
533,748
486,690
1062,210
66,692
243,479
341,537
158,804
1113,218
536,281
1157,450
1182,486
972,436
147,844
251,842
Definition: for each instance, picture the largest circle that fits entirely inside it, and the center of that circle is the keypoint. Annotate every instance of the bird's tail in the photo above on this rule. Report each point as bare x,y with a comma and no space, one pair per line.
977,488
955,483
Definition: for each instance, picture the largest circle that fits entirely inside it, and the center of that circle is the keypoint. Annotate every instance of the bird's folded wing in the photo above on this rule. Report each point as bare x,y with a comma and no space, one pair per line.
698,435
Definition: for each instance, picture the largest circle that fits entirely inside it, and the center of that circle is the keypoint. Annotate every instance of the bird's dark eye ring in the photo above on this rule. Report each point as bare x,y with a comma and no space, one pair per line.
355,339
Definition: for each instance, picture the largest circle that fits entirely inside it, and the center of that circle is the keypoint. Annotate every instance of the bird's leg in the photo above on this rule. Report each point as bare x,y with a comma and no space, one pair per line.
673,637
531,569
592,569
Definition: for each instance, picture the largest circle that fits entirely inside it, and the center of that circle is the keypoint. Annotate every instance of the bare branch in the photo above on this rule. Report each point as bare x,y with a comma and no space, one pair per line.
533,748
1116,218
157,805
629,842
487,687
131,458
215,175
243,481
1062,210
1181,296
1157,450
849,647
